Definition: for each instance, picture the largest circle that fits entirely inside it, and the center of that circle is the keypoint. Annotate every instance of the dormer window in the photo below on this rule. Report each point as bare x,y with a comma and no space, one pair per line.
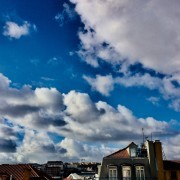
133,152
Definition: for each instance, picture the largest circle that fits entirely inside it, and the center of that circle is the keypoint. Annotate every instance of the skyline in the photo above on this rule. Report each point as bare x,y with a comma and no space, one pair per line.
80,79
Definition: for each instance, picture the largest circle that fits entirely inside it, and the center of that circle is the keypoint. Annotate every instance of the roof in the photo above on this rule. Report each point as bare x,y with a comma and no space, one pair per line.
18,171
122,153
74,176
171,165
54,162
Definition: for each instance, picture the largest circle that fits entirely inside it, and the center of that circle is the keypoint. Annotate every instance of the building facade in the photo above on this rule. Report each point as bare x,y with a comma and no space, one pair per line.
137,163
55,169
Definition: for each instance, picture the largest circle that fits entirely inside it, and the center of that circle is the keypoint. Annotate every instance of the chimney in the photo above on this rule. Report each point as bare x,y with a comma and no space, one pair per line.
27,172
4,177
159,159
151,158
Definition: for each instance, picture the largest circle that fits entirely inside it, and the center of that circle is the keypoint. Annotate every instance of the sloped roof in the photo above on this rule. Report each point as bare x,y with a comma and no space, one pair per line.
122,153
17,171
74,176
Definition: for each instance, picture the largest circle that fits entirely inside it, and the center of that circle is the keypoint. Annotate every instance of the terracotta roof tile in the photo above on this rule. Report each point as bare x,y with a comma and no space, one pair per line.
17,170
122,153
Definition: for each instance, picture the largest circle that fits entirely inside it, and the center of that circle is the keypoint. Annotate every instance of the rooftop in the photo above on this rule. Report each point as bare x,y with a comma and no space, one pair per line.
17,171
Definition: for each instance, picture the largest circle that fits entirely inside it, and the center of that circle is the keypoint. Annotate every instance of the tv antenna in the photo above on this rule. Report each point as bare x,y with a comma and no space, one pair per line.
143,135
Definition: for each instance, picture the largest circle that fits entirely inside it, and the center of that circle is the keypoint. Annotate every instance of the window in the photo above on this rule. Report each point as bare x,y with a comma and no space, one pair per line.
126,172
112,173
133,152
140,173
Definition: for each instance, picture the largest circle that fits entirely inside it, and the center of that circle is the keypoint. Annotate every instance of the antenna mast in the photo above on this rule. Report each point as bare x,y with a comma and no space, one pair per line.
143,135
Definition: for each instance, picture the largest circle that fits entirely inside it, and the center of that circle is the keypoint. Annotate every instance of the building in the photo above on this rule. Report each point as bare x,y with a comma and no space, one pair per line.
21,172
139,163
171,170
55,169
73,176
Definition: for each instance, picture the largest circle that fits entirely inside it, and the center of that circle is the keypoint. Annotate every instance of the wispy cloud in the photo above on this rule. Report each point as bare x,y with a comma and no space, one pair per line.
168,91
66,15
54,61
47,79
34,61
153,100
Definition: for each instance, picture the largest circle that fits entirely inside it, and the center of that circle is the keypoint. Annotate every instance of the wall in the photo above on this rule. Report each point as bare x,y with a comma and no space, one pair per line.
124,161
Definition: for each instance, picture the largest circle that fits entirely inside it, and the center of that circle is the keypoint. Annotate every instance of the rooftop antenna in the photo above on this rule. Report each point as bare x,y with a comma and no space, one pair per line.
143,135
151,136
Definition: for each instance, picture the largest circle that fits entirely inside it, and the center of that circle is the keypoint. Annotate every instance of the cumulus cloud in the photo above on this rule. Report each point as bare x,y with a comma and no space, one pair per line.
9,138
124,33
40,108
77,150
101,122
172,142
33,144
78,105
27,116
142,31
16,31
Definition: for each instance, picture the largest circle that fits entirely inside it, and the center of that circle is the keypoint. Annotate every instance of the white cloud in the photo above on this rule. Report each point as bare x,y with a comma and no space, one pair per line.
39,108
33,144
54,61
102,122
16,31
78,105
174,144
77,150
153,100
105,84
47,79
69,11
145,80
35,113
66,15
140,31
102,84
166,87
175,104
125,32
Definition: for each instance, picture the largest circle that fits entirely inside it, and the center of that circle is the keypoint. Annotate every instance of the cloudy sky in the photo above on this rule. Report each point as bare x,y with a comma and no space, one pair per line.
79,79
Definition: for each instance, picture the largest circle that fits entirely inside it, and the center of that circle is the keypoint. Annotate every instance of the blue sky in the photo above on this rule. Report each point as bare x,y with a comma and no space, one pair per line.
80,79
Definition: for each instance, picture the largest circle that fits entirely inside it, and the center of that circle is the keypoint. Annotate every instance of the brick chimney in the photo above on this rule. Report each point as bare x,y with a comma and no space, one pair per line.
152,159
27,173
159,159
4,176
